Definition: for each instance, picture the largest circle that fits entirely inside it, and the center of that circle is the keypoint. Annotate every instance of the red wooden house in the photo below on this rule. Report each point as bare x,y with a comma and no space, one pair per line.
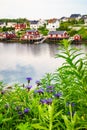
20,26
77,37
9,35
31,35
57,35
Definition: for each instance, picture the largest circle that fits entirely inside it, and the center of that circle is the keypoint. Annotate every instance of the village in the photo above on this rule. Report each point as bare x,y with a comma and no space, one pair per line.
44,30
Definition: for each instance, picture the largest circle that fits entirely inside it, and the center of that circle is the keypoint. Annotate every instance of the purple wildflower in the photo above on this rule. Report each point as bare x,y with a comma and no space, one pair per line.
26,110
40,91
50,87
38,82
73,112
43,101
58,95
49,101
72,104
29,87
50,90
29,79
46,101
20,113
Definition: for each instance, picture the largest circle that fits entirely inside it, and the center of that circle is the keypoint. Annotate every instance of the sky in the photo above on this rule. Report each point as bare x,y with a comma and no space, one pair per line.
41,9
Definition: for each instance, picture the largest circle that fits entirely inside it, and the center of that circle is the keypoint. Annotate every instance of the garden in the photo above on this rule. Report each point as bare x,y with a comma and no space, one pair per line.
58,102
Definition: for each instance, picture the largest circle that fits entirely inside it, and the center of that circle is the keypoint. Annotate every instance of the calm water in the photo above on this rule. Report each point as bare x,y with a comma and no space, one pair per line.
18,61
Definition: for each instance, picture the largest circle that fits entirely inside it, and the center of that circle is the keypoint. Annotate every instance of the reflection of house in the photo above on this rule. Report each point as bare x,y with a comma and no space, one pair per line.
52,25
56,35
20,26
34,24
31,35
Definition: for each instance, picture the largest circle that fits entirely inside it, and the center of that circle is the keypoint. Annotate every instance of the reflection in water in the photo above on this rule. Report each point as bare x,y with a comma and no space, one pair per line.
18,61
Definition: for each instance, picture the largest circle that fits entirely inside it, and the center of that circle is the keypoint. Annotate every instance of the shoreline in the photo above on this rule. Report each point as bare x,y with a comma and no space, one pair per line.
37,42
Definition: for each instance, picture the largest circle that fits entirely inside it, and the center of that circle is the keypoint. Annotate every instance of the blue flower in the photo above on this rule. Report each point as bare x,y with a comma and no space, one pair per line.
72,104
40,91
57,95
28,87
49,101
26,110
43,101
38,82
20,113
29,79
50,87
73,112
46,101
50,90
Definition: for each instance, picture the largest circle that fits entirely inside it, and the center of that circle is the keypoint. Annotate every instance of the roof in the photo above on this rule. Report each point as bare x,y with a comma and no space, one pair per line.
57,32
84,16
52,20
1,23
75,15
31,30
34,22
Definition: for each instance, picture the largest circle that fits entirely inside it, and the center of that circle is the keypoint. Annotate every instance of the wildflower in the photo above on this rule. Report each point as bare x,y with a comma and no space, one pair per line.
29,87
72,113
72,104
26,110
50,90
46,101
43,101
49,101
29,79
40,91
50,87
38,82
58,95
20,113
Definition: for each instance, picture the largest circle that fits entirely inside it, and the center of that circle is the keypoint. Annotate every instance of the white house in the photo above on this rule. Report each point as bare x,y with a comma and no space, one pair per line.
53,24
41,22
11,24
34,25
75,16
85,21
2,24
64,19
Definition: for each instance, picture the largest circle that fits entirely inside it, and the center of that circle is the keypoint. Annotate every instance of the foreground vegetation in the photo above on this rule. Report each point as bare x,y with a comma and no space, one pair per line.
58,102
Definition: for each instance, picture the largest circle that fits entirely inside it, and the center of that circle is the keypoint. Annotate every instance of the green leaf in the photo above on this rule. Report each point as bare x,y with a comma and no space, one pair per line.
38,126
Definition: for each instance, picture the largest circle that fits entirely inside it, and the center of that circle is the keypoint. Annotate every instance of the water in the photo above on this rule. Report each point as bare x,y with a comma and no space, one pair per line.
18,61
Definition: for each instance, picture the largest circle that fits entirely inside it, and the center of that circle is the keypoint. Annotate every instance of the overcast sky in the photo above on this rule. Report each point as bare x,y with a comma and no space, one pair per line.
44,9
